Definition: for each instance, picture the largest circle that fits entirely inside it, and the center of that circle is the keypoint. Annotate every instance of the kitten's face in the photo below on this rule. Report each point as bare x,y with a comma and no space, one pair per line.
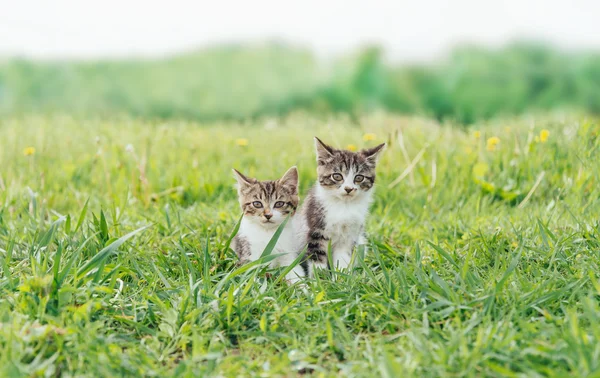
268,203
344,174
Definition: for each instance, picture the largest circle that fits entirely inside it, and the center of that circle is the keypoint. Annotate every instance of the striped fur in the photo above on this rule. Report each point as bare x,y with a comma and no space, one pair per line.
266,204
336,208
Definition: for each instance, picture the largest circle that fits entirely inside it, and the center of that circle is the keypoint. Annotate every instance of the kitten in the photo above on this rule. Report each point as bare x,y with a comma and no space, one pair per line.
336,208
265,205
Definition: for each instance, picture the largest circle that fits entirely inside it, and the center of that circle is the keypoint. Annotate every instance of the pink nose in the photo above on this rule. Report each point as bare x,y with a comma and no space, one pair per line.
348,190
268,216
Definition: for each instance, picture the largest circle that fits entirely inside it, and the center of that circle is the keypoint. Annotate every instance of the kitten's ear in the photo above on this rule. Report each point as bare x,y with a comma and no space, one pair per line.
373,154
323,150
243,180
290,179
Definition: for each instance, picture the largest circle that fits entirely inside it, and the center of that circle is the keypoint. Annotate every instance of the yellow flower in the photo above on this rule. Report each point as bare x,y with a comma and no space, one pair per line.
241,142
507,129
468,150
477,134
28,151
369,136
492,143
351,147
544,134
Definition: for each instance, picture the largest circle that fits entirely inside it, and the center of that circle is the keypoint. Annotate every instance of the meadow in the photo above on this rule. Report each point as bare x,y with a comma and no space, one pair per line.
483,257
246,81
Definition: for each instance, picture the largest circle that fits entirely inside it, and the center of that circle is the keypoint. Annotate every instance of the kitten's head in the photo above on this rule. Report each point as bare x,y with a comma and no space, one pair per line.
268,202
344,174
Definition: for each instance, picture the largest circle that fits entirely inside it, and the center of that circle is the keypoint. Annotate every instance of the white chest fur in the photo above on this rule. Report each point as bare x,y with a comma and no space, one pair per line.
344,219
258,238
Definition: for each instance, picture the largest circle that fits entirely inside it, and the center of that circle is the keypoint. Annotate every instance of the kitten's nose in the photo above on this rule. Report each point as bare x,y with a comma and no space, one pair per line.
348,190
268,216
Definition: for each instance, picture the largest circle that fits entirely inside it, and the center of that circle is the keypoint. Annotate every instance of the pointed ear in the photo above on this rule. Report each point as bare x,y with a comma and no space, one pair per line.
290,179
373,154
323,150
242,180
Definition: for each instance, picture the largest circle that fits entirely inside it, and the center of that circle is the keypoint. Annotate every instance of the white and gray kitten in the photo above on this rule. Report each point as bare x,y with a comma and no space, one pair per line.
336,208
266,204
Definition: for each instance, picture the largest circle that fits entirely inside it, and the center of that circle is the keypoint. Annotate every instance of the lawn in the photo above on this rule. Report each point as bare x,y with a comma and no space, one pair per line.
483,259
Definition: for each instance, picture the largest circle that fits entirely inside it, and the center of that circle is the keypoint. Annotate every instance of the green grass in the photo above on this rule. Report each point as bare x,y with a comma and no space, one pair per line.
114,259
244,81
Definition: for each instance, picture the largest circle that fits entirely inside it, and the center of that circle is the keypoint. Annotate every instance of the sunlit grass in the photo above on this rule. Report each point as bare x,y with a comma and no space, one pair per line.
114,258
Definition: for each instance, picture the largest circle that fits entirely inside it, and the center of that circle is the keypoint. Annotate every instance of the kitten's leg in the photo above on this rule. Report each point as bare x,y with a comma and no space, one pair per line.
317,239
296,274
241,246
362,239
317,249
362,243
342,255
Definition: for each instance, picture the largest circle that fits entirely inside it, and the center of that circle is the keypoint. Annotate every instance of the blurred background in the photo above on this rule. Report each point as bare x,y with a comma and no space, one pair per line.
451,60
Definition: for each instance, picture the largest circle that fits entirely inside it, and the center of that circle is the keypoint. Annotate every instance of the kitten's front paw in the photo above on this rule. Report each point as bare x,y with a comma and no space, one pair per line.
342,260
316,265
295,275
362,240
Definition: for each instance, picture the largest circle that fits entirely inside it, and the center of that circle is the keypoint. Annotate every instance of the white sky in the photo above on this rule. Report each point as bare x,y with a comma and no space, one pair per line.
408,30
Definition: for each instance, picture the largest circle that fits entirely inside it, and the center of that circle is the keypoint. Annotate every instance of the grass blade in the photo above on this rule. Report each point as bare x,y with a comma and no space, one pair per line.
271,245
99,258
82,215
234,232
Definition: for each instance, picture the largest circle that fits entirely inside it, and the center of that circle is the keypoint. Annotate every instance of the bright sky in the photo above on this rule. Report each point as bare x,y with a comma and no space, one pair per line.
408,30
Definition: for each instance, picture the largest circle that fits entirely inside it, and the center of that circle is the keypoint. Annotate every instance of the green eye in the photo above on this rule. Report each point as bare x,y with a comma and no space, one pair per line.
257,204
337,177
359,178
279,204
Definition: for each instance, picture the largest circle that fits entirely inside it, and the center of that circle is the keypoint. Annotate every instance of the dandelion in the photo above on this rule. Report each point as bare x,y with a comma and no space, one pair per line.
242,142
129,148
544,134
476,134
28,151
468,150
492,143
369,136
351,147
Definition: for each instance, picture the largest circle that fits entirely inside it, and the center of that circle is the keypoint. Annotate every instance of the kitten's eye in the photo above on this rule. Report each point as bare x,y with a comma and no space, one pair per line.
257,204
279,204
359,178
337,177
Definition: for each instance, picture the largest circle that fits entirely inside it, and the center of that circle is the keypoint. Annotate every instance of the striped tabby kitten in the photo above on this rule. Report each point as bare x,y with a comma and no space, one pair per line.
265,205
336,208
